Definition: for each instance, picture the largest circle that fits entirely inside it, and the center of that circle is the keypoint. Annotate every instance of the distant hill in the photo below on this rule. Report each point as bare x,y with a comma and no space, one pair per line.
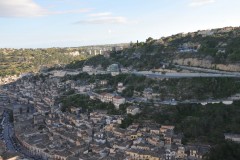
17,61
215,49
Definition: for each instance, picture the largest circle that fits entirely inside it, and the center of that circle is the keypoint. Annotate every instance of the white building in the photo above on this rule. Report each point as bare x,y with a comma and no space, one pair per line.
74,53
133,110
87,69
232,137
117,101
106,97
120,87
59,73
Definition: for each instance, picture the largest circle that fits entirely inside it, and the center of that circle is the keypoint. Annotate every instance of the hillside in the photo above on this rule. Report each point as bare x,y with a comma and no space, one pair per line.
17,61
215,49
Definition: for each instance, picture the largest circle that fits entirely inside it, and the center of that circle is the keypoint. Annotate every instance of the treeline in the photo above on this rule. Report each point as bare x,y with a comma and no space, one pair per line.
226,150
179,89
203,124
95,61
199,124
86,104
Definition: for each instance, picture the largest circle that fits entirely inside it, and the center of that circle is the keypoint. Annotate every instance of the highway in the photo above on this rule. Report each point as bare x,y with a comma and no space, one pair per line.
207,70
181,75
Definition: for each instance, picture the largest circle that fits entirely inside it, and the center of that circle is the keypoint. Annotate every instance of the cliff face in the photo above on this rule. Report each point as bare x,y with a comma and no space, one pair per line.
196,62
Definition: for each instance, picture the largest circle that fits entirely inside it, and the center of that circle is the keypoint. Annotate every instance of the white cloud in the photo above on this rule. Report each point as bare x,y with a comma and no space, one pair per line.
28,8
69,11
196,3
101,14
103,18
20,8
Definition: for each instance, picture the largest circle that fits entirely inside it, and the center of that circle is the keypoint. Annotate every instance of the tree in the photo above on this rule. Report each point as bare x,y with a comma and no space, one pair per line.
128,92
225,151
150,39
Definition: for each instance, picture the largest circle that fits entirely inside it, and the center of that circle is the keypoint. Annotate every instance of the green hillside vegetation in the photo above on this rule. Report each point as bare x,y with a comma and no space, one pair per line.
225,151
179,89
87,104
199,124
94,61
220,47
30,60
205,124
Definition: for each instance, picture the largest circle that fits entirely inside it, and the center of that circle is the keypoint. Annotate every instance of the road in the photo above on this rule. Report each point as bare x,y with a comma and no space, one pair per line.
207,70
9,140
7,133
181,75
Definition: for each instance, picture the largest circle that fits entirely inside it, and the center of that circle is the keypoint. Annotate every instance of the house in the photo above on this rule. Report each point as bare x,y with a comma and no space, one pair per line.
133,110
122,145
232,137
197,151
92,95
154,130
142,146
189,47
147,93
205,33
81,89
138,154
114,69
118,100
73,53
155,141
118,132
166,129
168,139
177,139
38,119
75,110
87,69
106,97
120,87
103,82
180,154
169,154
59,73
135,135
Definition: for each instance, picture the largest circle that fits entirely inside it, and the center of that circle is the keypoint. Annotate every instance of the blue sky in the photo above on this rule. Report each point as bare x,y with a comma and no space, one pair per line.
72,23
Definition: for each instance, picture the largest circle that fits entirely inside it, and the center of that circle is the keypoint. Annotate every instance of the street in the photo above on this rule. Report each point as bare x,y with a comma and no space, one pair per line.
8,132
9,140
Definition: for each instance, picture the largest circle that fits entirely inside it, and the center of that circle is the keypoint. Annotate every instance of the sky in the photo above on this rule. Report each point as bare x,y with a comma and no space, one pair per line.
73,23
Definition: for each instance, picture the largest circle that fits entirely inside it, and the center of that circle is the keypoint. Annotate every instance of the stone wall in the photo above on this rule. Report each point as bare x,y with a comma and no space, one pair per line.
195,62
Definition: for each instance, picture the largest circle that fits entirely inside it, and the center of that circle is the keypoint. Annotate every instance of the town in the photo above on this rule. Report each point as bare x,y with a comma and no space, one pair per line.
36,127
41,129
119,80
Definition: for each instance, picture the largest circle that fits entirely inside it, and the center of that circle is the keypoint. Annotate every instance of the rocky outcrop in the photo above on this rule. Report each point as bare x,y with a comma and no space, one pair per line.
8,79
204,63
